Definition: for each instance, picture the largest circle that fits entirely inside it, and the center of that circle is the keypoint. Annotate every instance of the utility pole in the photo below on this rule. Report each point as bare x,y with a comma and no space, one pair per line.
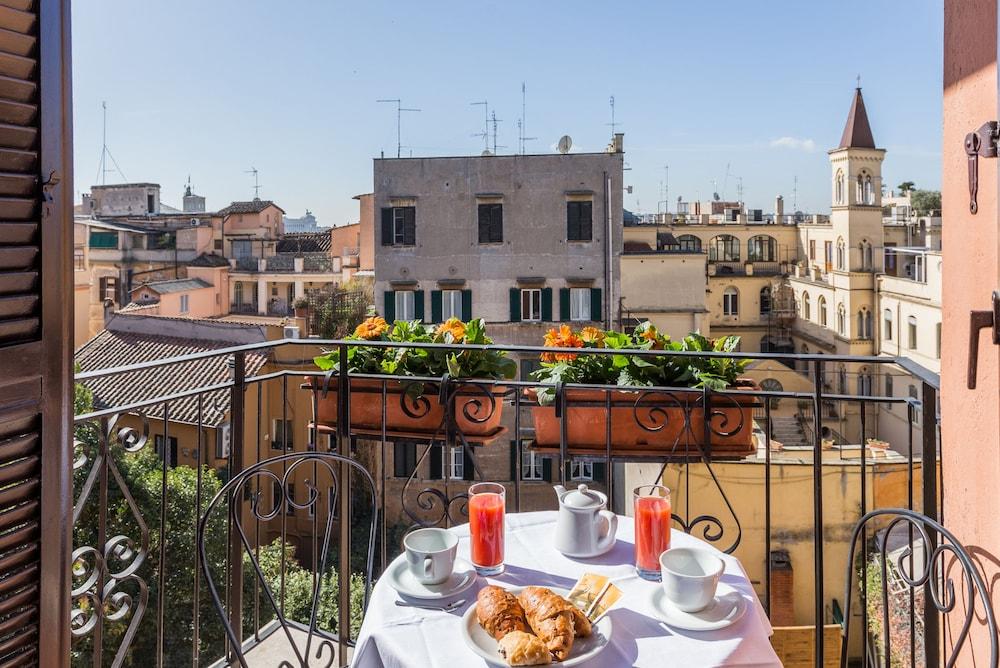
399,124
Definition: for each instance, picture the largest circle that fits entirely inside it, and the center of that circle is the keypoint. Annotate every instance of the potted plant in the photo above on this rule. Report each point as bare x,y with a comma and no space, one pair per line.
644,422
415,406
301,306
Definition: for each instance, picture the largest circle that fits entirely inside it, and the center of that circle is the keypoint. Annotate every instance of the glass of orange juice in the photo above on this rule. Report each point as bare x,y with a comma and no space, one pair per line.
486,527
652,528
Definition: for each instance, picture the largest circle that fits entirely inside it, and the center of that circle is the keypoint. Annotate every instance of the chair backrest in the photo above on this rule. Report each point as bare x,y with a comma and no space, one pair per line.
321,480
914,564
796,645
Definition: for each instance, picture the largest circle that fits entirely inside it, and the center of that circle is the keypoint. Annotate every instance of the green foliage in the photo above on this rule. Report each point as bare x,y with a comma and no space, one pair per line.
905,187
467,363
925,202
334,313
716,373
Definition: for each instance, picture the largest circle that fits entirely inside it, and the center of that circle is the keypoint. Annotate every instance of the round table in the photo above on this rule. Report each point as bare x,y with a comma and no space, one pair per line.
397,637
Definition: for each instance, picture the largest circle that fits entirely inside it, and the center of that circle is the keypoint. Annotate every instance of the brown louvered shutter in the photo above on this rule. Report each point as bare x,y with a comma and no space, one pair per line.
36,316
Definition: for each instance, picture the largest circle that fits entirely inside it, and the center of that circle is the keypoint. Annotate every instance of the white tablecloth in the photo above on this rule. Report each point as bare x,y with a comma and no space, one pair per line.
395,637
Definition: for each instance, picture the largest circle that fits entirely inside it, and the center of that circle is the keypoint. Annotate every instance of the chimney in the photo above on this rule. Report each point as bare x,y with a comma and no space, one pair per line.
619,142
782,611
779,208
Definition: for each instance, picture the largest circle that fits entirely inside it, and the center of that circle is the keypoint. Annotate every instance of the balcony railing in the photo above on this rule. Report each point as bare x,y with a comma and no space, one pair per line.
138,596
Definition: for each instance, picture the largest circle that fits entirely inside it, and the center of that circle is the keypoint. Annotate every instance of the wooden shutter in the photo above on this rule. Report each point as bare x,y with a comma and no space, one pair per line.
572,221
387,239
586,221
468,469
596,305
389,305
547,304
496,223
515,305
436,315
484,223
435,472
409,226
36,330
547,469
466,305
418,304
564,306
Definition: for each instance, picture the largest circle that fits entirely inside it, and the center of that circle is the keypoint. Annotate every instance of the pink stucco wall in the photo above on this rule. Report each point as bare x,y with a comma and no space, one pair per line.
970,438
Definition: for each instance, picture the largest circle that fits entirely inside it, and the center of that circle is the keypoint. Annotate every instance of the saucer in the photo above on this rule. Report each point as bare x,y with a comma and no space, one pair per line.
399,577
725,609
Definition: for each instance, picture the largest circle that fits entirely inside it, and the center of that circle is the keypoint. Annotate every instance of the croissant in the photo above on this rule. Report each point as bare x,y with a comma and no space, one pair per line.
499,612
552,619
523,649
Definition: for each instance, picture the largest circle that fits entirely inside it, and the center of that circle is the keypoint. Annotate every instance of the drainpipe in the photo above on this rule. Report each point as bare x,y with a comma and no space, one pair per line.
608,267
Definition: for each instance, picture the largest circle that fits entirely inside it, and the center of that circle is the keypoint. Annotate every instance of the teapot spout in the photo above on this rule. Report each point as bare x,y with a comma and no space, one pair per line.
560,491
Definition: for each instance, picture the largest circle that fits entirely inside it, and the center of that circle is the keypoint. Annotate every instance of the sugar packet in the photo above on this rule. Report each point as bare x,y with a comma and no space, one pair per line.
594,594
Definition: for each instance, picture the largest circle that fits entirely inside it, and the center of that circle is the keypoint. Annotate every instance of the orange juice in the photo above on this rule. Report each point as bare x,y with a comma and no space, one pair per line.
486,527
652,530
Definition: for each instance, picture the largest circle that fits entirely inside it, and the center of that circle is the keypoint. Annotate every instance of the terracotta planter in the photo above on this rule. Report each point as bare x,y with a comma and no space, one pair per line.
663,415
474,414
302,312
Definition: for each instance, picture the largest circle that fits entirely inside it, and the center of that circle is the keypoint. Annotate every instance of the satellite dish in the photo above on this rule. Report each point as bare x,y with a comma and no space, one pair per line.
486,153
716,197
679,198
565,144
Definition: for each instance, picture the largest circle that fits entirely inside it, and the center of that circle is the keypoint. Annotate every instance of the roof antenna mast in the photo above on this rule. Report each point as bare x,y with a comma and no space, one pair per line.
102,168
485,134
522,123
399,124
256,184
613,124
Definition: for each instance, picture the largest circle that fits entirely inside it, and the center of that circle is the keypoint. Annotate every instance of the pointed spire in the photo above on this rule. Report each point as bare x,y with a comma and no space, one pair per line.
857,132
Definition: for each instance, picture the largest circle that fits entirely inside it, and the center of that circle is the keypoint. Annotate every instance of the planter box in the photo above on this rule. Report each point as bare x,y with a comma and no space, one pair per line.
475,416
663,415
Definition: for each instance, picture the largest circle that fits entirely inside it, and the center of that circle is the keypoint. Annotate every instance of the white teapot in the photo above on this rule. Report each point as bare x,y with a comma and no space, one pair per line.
584,527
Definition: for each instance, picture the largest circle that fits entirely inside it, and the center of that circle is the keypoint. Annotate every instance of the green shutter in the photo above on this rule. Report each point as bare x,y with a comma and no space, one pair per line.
515,305
389,307
436,306
546,469
596,305
599,475
435,472
468,468
418,304
564,304
547,304
467,305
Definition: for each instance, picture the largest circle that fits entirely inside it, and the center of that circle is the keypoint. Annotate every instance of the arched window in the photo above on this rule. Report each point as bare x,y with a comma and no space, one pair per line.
887,325
841,320
866,255
869,193
724,248
842,379
688,243
869,329
840,253
238,292
731,301
772,385
762,248
805,363
838,188
765,300
806,309
864,382
862,316
911,326
821,307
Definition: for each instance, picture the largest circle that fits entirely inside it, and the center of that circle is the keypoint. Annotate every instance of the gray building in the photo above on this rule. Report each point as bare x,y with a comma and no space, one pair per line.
519,240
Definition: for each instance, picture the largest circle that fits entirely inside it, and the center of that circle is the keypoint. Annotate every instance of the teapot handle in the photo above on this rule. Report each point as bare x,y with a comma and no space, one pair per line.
607,537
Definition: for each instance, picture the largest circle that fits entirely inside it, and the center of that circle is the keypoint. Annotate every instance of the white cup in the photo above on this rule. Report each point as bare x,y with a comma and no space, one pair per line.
430,554
690,577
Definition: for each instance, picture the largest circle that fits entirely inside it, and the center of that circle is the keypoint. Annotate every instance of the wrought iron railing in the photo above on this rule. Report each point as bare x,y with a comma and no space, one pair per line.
138,596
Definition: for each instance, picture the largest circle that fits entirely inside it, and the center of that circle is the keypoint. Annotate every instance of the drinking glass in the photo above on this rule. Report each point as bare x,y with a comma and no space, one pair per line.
652,528
486,526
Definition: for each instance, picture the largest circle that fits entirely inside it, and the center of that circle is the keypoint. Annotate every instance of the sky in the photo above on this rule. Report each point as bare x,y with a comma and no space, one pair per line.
209,90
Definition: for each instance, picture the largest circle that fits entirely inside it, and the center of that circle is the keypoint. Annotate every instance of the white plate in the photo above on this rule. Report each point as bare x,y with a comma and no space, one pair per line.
399,577
483,644
725,610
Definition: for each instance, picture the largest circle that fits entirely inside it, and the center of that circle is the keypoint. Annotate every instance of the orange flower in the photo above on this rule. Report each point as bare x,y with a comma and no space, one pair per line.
371,328
561,338
652,335
455,327
592,335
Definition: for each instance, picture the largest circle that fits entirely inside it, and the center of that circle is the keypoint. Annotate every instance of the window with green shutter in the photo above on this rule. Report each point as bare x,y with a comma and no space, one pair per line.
466,305
399,226
564,310
547,304
515,305
596,304
436,306
389,305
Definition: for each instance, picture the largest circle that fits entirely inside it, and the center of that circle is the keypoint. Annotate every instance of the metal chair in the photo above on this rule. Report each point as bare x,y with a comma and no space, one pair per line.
310,645
923,560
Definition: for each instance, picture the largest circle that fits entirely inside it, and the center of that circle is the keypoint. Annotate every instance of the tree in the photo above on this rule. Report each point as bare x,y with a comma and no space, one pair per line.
926,202
905,187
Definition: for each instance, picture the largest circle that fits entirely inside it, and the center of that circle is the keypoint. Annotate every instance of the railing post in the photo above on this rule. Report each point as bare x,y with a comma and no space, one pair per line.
236,465
928,483
344,506
818,506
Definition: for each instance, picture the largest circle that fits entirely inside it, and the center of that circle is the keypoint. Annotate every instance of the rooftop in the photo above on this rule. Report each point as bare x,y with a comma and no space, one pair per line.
857,131
209,260
305,242
252,206
175,285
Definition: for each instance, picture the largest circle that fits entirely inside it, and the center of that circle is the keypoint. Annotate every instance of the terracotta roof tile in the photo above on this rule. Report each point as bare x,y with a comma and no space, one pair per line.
252,206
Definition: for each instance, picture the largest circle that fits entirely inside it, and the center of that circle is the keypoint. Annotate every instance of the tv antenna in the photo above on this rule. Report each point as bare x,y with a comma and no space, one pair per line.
256,183
493,119
485,134
795,193
522,123
613,124
102,168
399,123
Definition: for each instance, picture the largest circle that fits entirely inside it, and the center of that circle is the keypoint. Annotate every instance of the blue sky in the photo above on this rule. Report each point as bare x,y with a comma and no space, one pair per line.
212,88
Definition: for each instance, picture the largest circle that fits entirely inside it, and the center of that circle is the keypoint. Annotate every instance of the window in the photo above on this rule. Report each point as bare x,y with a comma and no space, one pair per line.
765,300
531,465
821,307
812,249
581,469
490,223
889,256
762,248
731,302
579,304
451,304
289,505
866,256
531,304
241,248
579,221
281,435
724,248
108,288
864,384
937,340
688,243
911,325
103,239
404,459
842,379
150,203
158,446
772,385
828,255
222,442
841,259
529,365
887,325
864,324
238,292
806,307
405,305
888,389
838,195
399,226
456,463
916,408
184,303
841,320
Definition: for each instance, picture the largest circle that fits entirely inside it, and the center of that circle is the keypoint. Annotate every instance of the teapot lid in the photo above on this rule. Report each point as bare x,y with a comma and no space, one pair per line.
583,497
